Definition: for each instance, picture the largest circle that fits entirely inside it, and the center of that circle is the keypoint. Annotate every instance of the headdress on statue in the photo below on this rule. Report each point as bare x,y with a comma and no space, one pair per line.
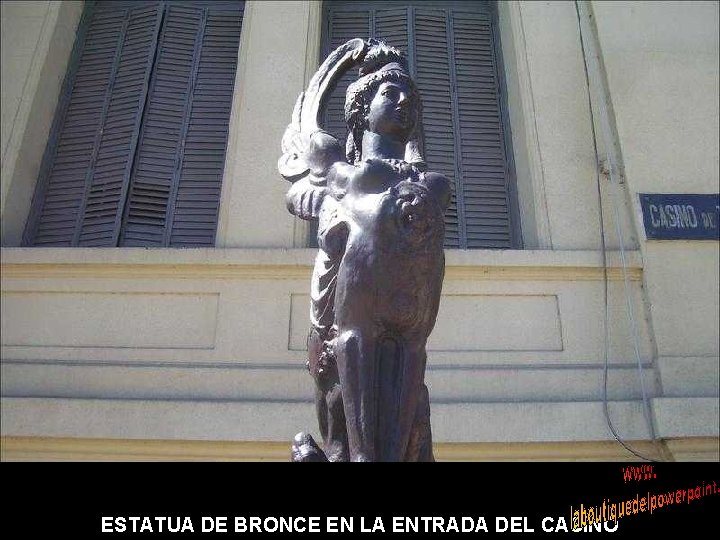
378,63
381,63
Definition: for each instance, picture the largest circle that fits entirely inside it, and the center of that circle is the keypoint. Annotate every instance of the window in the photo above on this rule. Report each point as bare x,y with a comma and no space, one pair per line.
453,53
137,150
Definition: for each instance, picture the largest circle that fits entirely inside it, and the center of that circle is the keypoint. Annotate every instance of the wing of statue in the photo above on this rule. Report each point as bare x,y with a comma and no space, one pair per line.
308,150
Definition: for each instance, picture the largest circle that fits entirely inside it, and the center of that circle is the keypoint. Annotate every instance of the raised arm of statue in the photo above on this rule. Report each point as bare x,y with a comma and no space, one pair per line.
309,152
327,175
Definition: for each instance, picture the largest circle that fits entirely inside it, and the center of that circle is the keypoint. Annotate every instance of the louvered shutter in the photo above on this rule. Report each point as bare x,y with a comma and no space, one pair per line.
451,51
391,25
140,147
175,192
341,24
483,164
433,79
198,197
87,179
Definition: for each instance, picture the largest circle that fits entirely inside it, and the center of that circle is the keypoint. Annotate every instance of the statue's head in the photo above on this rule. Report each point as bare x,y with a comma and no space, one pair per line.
383,100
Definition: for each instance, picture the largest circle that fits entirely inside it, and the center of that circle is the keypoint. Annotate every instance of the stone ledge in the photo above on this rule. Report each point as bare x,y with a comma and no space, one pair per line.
280,420
71,449
291,382
300,256
296,263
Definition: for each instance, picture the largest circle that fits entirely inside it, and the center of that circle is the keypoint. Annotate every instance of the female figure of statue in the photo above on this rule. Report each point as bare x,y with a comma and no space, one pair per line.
378,274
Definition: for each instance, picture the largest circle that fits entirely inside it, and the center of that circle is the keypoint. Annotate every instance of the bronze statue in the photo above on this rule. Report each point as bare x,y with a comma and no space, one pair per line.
378,274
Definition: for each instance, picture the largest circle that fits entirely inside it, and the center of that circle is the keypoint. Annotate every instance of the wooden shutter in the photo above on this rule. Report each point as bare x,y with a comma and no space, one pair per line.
433,79
391,25
483,164
138,149
175,192
90,169
341,24
451,51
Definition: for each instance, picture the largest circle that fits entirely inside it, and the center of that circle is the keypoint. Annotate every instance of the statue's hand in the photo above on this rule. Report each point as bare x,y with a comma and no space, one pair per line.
304,199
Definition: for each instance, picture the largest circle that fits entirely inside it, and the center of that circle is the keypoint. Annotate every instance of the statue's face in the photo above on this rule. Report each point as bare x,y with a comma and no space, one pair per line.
393,111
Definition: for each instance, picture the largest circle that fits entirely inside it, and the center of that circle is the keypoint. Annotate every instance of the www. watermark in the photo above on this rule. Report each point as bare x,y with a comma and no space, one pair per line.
613,511
638,473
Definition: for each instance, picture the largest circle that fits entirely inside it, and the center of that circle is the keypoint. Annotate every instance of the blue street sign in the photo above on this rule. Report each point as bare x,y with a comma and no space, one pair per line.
681,216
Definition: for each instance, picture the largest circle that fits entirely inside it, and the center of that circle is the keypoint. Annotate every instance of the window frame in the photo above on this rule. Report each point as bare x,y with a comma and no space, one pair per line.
515,229
39,192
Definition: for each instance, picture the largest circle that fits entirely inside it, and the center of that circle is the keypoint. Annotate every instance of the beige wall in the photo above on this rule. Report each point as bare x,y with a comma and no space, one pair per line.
67,449
278,54
214,340
207,344
661,61
37,38
546,76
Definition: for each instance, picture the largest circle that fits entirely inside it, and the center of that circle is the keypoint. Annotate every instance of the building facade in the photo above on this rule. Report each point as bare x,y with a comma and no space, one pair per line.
196,350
